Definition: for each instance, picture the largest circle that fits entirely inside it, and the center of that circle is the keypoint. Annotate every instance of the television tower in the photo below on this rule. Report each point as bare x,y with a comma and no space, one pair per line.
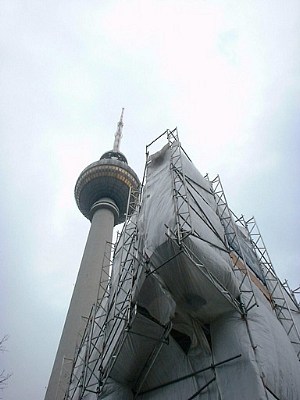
101,194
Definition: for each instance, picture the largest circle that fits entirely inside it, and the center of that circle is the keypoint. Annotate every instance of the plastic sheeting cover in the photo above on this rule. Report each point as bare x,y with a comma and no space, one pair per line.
189,293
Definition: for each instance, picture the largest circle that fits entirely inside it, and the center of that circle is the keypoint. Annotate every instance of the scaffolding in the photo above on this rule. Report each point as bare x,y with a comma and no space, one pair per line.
113,316
239,261
117,316
182,185
181,202
283,298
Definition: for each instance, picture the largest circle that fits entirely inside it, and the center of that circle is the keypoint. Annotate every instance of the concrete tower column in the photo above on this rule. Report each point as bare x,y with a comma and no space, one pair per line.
101,194
105,214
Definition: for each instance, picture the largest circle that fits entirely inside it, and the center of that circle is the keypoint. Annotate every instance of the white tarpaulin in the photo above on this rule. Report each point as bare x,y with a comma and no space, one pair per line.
186,337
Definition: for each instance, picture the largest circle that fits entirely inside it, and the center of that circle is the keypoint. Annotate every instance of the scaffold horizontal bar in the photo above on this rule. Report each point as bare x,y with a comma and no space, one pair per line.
212,366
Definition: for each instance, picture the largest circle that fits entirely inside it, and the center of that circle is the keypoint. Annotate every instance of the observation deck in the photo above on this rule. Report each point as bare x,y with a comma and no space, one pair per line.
109,178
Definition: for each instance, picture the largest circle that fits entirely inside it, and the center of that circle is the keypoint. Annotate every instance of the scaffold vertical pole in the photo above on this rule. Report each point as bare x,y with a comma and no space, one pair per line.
182,207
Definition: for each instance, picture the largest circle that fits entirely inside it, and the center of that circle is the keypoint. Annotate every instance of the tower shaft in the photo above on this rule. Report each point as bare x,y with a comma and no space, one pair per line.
84,296
101,193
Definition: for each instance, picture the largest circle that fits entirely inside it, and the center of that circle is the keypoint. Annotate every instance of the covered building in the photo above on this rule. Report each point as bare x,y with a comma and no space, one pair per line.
189,305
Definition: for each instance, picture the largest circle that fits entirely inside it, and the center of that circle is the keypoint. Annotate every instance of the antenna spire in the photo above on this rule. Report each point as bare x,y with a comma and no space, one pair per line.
118,134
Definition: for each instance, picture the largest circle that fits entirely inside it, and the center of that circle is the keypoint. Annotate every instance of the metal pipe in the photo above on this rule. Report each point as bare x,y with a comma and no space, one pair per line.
212,366
203,387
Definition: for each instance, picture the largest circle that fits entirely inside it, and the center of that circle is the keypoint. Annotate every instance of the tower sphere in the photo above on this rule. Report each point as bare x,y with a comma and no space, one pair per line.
109,178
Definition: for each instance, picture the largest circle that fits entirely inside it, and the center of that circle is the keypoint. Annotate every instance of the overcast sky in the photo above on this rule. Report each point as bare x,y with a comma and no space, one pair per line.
226,73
